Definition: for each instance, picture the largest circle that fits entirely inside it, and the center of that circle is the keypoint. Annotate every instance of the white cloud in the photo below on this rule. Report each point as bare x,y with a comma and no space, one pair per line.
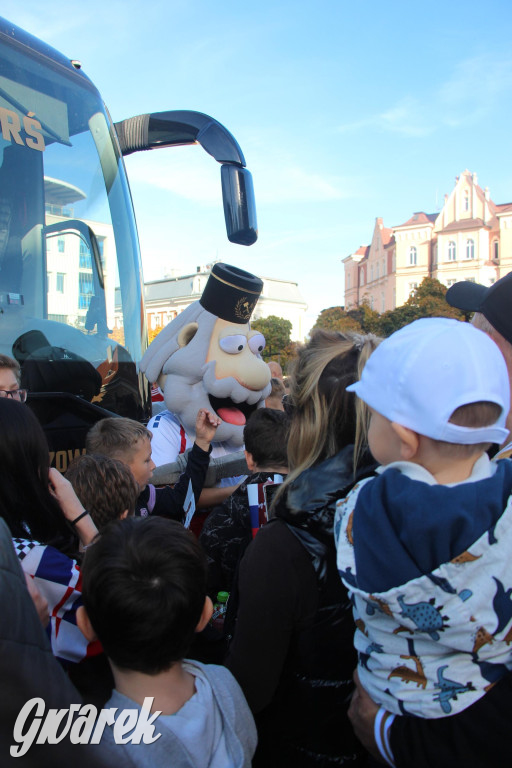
469,95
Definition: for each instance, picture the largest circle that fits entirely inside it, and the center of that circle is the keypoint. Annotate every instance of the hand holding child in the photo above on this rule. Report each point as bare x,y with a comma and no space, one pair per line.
206,426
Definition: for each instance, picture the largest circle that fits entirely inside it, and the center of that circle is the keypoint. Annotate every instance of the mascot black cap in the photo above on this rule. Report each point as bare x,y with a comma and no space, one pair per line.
231,293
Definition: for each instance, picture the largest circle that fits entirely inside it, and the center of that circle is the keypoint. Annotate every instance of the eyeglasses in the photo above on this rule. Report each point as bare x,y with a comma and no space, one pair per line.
15,394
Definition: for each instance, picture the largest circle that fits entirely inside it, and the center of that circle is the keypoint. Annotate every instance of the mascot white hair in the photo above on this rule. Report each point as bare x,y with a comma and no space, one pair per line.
208,357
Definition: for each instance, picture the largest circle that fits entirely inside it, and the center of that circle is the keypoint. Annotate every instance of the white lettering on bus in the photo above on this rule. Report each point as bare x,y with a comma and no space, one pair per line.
11,128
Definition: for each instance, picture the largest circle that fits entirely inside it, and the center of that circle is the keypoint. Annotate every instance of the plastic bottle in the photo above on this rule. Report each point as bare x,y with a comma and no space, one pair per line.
219,610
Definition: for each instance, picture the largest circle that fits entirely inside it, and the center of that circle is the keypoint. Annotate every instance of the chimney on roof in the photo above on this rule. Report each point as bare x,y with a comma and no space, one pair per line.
379,222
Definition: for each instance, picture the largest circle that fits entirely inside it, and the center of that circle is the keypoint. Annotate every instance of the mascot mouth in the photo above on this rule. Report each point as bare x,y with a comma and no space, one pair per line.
231,412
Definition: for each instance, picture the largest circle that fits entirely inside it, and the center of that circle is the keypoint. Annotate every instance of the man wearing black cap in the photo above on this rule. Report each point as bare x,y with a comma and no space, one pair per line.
493,315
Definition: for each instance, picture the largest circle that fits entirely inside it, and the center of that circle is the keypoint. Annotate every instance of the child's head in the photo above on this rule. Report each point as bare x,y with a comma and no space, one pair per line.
126,440
144,591
266,438
438,378
105,486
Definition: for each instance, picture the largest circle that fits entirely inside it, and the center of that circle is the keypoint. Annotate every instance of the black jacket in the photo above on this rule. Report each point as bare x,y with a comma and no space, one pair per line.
292,649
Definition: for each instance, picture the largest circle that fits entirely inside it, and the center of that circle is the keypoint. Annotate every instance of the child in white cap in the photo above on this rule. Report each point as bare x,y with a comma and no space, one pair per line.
425,546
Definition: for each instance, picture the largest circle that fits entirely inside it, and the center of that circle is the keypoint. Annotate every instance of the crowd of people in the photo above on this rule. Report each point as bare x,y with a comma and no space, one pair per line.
366,557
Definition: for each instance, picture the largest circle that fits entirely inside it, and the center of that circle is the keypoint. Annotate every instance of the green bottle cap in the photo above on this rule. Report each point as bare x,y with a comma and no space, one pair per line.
222,597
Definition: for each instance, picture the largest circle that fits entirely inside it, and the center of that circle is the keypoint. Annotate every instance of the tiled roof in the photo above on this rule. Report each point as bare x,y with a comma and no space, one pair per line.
503,208
456,226
419,218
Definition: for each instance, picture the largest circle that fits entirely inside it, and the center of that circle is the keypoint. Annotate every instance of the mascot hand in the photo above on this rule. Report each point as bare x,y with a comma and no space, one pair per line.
206,426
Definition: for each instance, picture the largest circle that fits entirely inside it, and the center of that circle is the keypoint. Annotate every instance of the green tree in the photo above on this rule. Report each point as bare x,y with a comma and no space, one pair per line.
276,331
361,319
428,300
336,319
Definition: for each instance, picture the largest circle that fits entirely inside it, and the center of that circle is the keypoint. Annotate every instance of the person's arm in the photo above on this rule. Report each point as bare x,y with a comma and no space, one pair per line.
171,501
370,723
476,737
72,508
275,583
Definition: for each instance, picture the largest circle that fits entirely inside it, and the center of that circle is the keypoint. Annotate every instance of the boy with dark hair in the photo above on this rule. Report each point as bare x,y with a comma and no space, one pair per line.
144,593
105,486
424,547
130,442
229,529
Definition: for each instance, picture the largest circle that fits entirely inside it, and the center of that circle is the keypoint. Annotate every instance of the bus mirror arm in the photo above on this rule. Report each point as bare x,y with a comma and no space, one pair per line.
179,127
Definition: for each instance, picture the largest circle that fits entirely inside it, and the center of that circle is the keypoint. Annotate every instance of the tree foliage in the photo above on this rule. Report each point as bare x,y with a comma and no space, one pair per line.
428,300
276,331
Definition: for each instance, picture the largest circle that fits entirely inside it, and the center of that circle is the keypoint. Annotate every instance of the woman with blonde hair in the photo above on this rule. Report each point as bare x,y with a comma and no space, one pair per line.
292,647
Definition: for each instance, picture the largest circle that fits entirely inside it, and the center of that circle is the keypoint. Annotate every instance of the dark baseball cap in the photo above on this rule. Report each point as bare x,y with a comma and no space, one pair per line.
494,302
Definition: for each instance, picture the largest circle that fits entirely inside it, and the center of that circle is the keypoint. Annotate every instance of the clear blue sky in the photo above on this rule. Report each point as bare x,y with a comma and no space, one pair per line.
344,110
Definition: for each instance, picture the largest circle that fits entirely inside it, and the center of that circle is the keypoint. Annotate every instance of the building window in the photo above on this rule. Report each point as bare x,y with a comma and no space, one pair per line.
348,281
495,249
466,200
451,281
452,251
60,282
382,302
471,279
84,259
362,277
412,288
413,256
61,244
85,290
371,273
383,267
377,271
371,302
470,249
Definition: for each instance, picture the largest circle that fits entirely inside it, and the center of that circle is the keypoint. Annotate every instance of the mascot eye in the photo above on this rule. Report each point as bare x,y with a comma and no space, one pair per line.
257,343
233,344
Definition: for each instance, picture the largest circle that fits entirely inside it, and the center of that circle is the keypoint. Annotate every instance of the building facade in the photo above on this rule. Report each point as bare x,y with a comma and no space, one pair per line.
166,298
469,239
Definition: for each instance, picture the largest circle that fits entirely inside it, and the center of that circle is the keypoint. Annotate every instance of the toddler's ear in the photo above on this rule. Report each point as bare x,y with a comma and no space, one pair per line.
84,624
205,615
409,441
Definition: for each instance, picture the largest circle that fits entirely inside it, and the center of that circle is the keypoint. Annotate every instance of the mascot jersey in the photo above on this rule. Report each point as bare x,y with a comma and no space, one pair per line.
429,570
169,439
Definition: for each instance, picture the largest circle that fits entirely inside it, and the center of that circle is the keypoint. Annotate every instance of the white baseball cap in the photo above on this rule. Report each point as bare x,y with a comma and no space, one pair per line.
422,373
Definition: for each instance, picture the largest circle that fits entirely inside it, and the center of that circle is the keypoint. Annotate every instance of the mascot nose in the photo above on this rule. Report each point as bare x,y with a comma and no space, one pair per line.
254,373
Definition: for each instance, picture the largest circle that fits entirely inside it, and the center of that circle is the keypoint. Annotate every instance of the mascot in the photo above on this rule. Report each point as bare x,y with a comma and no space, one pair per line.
208,357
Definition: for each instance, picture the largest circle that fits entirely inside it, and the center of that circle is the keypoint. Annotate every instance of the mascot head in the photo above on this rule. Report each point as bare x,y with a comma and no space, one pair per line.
208,357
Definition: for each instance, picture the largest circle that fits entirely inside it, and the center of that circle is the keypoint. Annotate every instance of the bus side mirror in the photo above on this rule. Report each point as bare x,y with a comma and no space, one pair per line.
167,129
239,205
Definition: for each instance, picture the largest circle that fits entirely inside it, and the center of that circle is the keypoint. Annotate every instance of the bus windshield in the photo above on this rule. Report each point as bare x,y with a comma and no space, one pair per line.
68,243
